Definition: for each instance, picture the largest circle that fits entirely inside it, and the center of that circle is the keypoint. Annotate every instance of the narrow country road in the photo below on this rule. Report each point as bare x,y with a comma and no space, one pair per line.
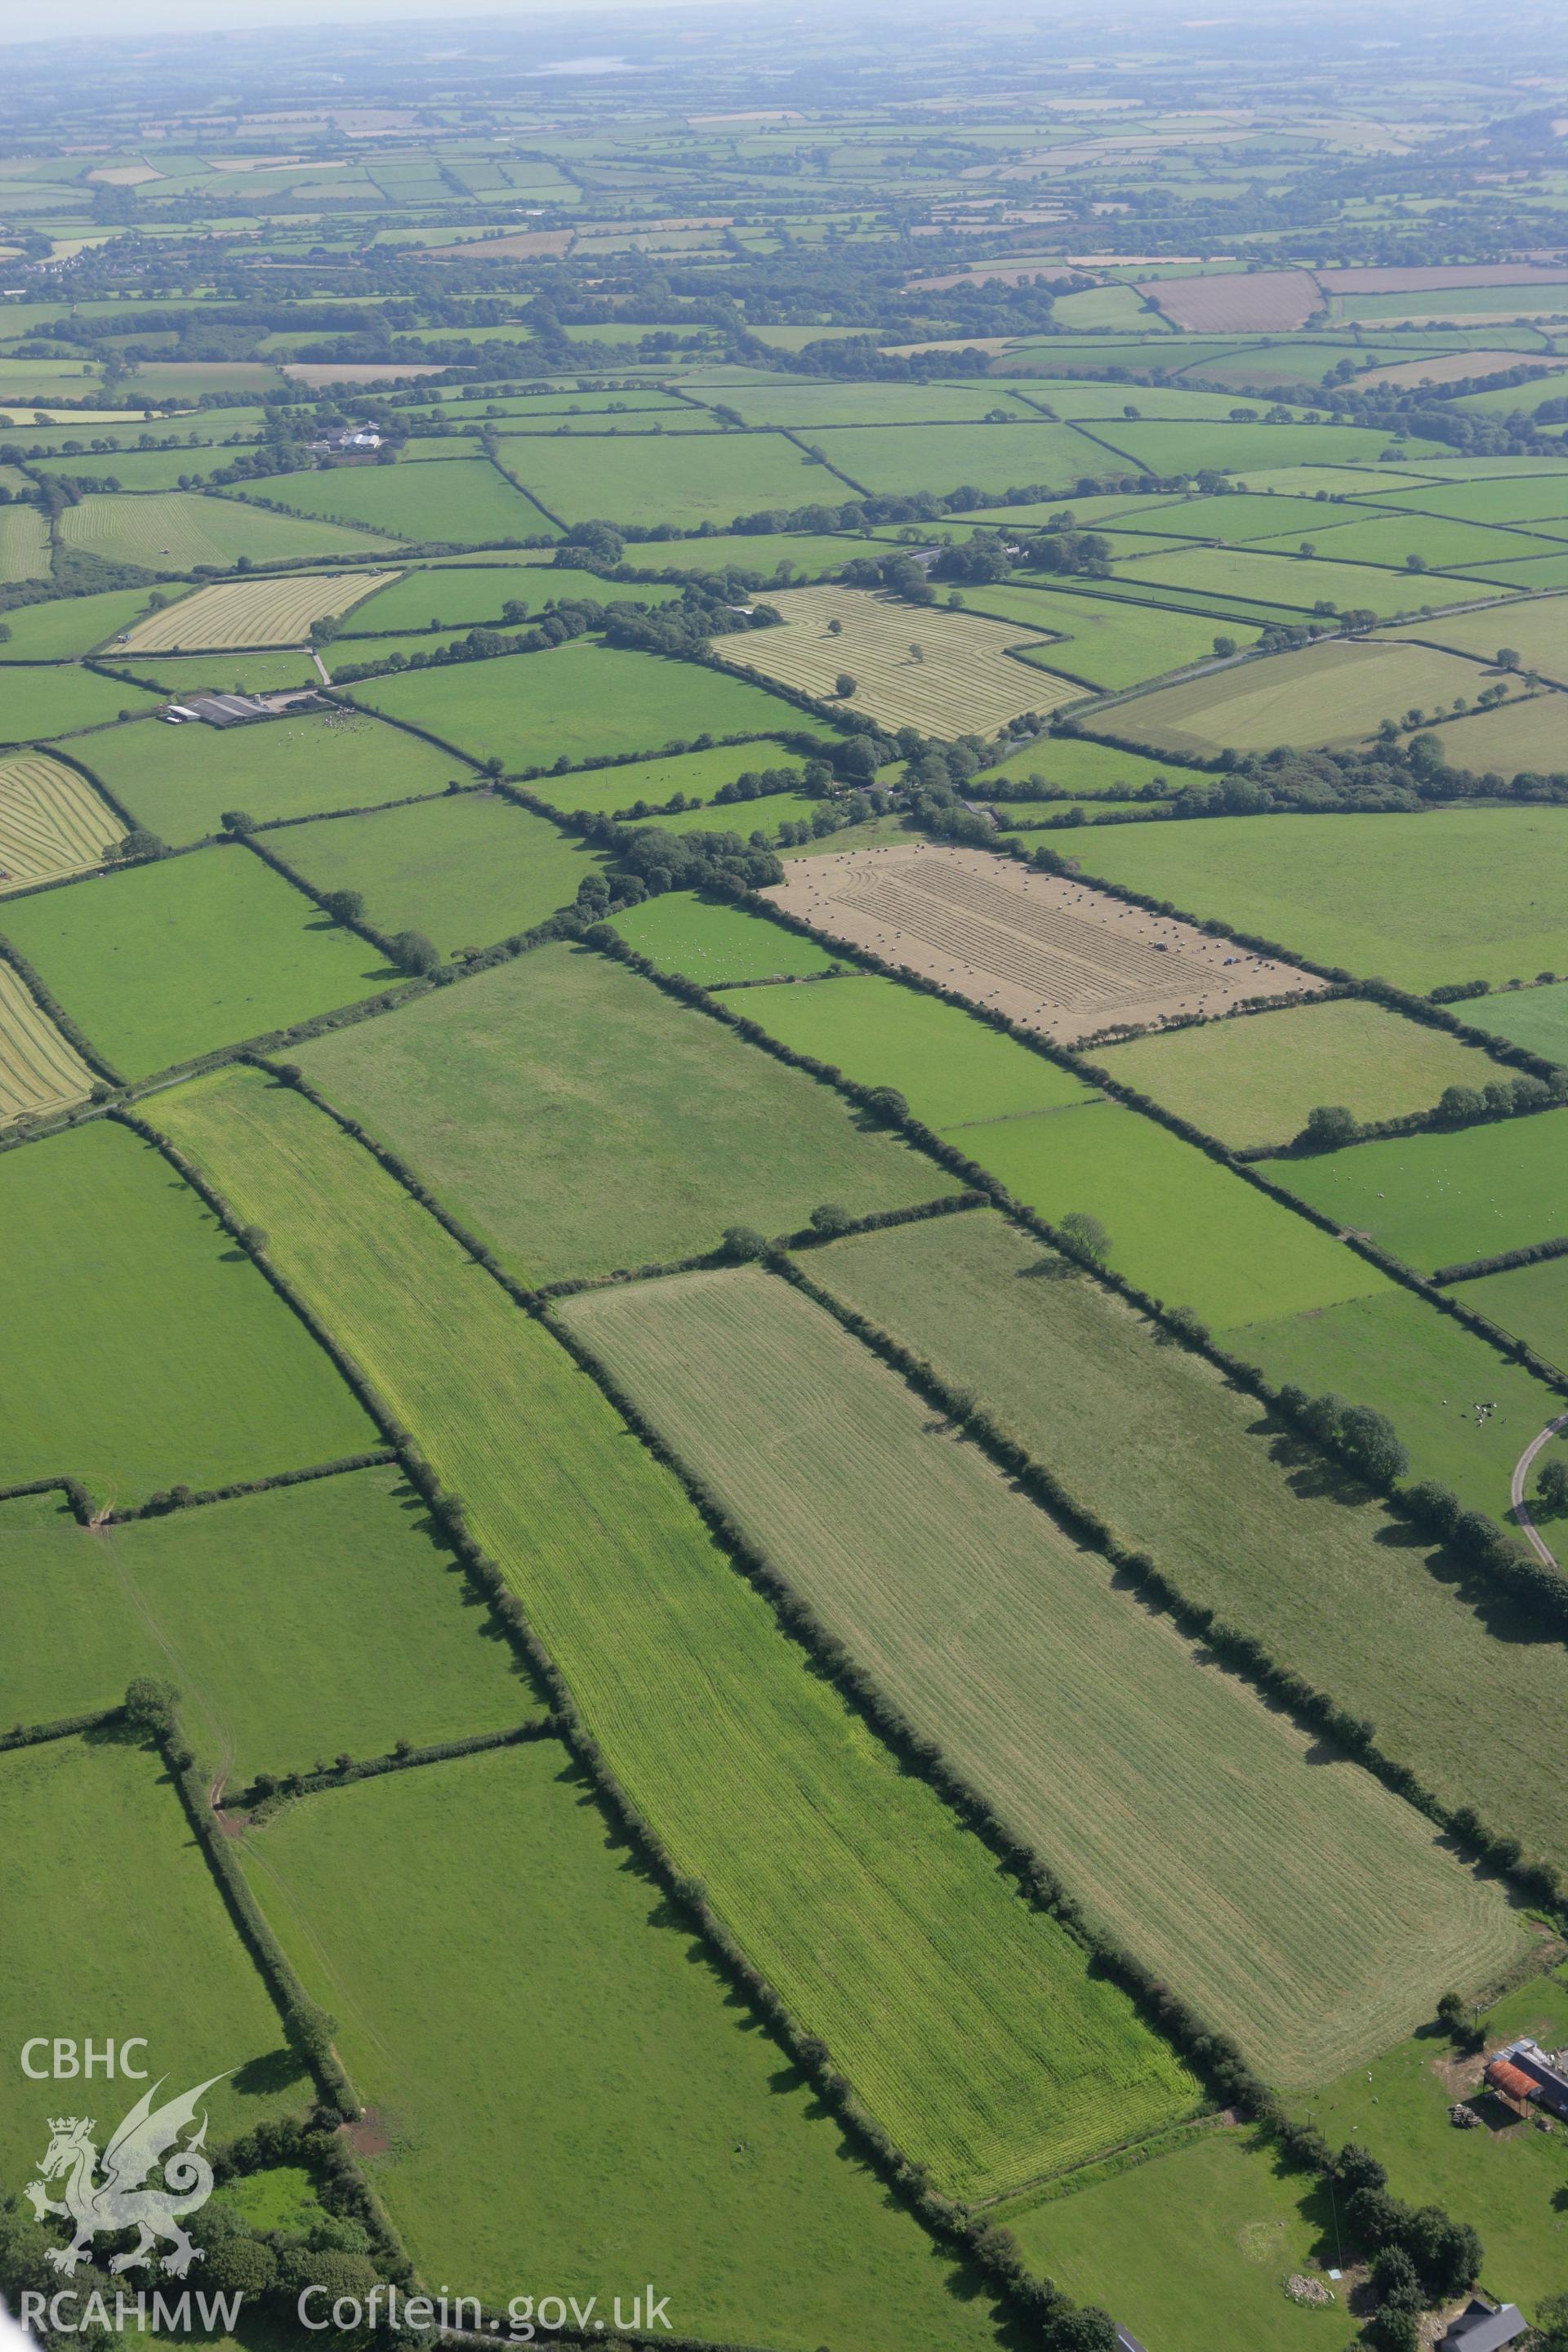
1521,1473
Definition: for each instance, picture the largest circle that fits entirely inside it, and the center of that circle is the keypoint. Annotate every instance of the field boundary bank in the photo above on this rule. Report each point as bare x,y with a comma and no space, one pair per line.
288,1787
1312,1709
949,2221
1536,1588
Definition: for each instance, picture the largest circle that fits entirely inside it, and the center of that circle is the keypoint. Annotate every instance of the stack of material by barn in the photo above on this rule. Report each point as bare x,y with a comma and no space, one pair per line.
1525,2073
1484,2328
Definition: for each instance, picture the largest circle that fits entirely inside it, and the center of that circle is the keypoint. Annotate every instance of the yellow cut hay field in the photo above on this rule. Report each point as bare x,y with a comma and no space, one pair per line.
39,1069
51,822
252,612
962,681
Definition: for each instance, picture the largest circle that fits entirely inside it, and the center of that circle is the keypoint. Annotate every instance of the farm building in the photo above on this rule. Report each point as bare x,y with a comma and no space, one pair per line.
1481,2328
1524,2072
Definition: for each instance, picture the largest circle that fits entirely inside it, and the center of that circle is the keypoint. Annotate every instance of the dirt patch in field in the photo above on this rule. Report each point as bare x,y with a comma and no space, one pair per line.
318,371
1246,302
1053,954
371,2135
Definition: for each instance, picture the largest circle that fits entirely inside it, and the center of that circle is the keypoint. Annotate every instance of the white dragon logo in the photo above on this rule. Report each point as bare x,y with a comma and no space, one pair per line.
118,2202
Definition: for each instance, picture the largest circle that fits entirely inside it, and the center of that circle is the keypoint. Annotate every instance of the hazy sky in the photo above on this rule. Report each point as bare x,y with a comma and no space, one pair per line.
126,18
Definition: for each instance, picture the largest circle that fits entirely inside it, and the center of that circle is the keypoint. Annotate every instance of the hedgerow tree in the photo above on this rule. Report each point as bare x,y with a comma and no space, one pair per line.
1328,1126
1086,1234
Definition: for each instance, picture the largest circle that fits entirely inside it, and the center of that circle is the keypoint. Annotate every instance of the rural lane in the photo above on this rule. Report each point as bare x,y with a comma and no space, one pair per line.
1520,1472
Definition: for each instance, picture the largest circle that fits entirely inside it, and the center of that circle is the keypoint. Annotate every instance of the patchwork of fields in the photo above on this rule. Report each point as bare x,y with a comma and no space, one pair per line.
735,1518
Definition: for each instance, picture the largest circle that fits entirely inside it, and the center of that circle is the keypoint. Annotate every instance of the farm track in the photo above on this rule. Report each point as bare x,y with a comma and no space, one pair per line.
1527,1526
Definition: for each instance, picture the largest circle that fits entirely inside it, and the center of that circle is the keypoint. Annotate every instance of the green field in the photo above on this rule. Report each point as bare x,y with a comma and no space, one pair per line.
1538,632
1394,1351
464,503
582,701
800,404
1321,696
1532,734
802,555
1076,764
1536,1017
178,781
1531,1301
1172,1803
460,599
173,531
1441,1198
969,2024
888,459
699,774
356,1630
1232,449
681,478
1108,642
24,544
162,963
1241,1515
1181,1228
1391,540
1511,2183
504,1091
1533,493
1297,582
59,699
717,944
147,1350
951,1069
175,675
1460,894
69,625
574,1995
85,1821
1216,2225
1254,1080
465,871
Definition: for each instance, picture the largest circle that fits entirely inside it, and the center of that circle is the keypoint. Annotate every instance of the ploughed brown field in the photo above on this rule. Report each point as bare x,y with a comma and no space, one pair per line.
1052,954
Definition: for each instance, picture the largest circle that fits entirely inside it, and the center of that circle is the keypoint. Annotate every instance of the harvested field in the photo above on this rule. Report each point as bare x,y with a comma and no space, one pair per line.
1172,1803
1322,695
39,1069
971,2025
252,612
51,822
965,681
1254,301
1255,1080
1436,278
1457,367
1054,954
24,544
